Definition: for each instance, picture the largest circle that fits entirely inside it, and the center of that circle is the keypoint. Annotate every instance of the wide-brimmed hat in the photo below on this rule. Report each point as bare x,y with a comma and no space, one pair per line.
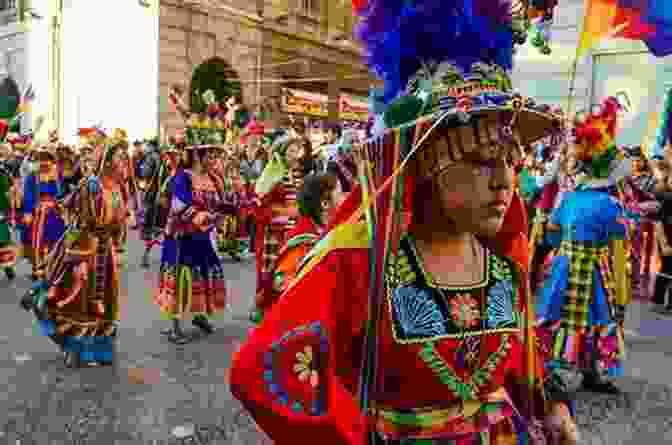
446,65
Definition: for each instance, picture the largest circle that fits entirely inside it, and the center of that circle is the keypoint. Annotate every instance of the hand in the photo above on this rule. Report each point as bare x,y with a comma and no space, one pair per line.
666,250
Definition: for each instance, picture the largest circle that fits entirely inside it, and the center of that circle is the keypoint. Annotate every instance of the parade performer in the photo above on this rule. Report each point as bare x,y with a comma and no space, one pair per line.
276,211
44,225
315,201
579,299
156,173
417,334
67,168
549,182
191,282
137,158
641,209
77,301
226,234
7,247
121,166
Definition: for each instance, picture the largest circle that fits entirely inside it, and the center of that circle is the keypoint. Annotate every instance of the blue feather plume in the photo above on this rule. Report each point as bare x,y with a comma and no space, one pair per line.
400,35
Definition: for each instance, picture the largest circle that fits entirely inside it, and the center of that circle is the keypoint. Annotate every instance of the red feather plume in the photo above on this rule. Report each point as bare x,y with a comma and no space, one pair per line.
358,6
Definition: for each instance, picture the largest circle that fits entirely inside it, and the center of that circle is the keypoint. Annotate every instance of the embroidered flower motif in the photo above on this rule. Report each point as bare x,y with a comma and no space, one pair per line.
304,367
464,310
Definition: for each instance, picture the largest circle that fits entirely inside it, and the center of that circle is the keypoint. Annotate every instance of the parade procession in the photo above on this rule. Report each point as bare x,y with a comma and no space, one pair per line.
465,257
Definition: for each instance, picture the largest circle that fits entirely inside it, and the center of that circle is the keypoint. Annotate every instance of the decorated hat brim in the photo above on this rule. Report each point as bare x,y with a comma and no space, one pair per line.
201,147
530,125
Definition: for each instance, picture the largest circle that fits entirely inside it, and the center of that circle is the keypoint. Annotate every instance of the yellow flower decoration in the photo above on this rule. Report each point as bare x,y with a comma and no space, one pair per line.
303,367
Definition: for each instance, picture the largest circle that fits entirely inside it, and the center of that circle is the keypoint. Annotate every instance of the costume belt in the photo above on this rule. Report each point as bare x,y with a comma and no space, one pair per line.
595,249
441,421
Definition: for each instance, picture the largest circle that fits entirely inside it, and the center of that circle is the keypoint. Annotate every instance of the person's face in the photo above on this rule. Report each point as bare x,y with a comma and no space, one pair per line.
475,192
294,152
661,170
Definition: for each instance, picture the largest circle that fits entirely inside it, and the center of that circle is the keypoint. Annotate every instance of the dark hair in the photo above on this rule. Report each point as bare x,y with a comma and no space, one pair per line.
188,157
307,156
314,189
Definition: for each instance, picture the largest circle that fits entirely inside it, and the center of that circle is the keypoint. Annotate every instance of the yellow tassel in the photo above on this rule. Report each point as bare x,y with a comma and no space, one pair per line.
620,273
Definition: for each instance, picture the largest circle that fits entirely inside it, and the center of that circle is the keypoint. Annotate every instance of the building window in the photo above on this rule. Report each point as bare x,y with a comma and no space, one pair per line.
310,7
6,5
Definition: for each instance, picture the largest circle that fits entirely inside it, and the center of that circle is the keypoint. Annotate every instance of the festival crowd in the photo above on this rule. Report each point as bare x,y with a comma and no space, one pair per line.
453,279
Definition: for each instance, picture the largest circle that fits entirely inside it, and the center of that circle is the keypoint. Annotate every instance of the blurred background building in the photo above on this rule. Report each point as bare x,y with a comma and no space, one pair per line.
113,62
286,57
13,59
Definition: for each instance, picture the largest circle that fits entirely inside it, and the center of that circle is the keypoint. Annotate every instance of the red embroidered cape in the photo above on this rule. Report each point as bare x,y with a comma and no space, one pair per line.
298,372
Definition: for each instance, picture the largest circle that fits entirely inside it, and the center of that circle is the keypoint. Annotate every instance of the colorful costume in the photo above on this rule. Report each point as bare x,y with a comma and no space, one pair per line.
7,247
581,297
365,347
157,173
313,198
43,224
191,277
275,216
228,233
77,302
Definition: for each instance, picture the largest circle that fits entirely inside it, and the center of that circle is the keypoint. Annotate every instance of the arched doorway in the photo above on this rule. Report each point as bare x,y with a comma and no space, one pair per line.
9,98
217,75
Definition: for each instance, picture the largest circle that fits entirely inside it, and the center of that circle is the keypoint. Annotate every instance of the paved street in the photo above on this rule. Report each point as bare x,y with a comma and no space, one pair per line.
159,393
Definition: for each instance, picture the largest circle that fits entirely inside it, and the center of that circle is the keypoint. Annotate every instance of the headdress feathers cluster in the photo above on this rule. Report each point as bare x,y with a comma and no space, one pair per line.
400,35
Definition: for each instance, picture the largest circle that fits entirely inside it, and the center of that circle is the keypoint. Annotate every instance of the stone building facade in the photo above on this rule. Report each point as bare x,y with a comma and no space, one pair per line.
273,40
13,53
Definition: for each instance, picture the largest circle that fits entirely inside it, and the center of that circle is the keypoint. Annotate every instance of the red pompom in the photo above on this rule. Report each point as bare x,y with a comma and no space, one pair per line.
359,5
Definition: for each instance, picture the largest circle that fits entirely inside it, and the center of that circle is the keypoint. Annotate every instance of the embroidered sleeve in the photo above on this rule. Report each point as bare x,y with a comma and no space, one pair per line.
296,371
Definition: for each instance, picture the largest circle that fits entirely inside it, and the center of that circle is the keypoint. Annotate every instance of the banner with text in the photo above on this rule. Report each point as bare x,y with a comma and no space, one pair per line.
303,102
353,108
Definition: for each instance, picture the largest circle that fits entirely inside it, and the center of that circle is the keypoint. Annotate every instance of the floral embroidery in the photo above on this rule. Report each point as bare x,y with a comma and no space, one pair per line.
303,367
500,305
464,310
417,313
311,398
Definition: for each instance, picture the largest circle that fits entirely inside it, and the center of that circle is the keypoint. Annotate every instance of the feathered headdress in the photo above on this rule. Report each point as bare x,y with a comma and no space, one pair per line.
595,139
